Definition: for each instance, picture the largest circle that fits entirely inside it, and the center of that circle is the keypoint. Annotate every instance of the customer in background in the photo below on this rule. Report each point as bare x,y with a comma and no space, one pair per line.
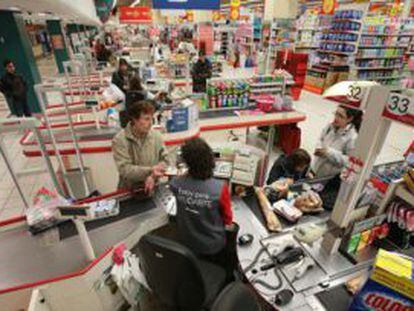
139,152
203,203
336,142
135,93
121,77
202,70
14,88
294,166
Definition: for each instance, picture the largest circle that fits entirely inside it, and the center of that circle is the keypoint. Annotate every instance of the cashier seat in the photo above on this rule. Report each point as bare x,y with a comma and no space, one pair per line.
236,296
179,280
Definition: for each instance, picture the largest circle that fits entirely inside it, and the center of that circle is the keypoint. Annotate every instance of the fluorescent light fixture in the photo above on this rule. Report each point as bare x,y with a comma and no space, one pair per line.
136,2
14,8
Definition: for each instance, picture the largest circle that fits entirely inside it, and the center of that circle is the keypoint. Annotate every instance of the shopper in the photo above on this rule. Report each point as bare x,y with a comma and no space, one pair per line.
139,152
294,166
121,77
135,93
203,203
14,88
336,142
202,70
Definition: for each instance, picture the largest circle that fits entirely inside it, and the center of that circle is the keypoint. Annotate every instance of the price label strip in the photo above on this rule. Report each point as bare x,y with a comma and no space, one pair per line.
400,108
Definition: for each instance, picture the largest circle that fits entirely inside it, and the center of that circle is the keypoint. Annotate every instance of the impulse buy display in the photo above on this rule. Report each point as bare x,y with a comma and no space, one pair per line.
241,93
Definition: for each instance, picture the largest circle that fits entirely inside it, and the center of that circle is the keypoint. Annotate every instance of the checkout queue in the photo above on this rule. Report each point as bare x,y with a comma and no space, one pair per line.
203,202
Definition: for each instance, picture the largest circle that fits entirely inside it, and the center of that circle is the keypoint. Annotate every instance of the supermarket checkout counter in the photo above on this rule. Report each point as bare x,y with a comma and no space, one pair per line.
96,143
58,264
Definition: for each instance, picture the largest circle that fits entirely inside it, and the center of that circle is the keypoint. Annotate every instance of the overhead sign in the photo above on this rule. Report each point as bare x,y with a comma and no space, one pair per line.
235,10
328,7
400,108
186,4
135,15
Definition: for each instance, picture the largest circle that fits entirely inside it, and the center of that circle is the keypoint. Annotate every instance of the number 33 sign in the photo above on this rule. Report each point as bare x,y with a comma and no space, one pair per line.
400,108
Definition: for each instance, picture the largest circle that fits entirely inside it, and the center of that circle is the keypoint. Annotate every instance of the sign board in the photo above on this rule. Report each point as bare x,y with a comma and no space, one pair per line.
400,108
186,4
135,15
328,7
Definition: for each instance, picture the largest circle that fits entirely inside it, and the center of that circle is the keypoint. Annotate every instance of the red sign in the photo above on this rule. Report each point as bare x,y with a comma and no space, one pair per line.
135,15
400,108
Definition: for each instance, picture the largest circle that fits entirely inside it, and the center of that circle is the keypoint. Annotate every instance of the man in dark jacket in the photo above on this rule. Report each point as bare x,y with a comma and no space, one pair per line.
14,88
202,70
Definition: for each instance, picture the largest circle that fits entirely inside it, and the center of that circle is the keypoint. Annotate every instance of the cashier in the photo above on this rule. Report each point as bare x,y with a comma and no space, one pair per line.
336,142
203,203
139,152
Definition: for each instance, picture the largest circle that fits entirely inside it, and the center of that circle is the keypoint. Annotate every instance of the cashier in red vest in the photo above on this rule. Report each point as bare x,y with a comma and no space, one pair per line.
138,150
203,203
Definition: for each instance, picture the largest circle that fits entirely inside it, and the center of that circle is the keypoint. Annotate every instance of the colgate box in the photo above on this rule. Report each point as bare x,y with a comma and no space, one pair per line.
390,287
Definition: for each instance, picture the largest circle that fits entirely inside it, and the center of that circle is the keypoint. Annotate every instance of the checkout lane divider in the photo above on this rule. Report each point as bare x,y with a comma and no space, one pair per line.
120,193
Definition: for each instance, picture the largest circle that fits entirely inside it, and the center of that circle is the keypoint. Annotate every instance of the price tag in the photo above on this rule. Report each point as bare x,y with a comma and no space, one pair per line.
400,108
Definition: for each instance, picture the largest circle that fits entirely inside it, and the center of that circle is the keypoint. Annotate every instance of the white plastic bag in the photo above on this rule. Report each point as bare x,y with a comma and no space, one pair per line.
43,212
113,93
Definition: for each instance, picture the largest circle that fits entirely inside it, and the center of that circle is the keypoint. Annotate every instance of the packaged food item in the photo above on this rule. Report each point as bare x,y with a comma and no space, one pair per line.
309,202
390,286
285,209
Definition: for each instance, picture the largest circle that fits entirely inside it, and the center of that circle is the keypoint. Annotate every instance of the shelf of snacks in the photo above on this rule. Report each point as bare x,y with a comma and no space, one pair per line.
408,70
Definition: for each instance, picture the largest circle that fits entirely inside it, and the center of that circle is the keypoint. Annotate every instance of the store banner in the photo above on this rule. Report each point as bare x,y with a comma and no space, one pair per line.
135,15
400,108
235,10
186,4
328,7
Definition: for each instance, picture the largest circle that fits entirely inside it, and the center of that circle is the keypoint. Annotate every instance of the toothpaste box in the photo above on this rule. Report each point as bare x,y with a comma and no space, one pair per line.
390,287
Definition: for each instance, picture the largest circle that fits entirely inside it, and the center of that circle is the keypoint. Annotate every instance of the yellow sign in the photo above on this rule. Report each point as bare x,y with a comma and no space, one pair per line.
328,7
235,3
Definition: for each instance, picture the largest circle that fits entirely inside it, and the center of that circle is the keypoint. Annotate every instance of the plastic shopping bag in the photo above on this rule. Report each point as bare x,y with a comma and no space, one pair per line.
43,213
114,94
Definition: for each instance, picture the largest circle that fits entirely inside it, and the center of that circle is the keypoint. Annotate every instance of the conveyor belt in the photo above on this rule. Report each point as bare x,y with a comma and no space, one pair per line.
127,208
337,298
217,114
83,134
331,192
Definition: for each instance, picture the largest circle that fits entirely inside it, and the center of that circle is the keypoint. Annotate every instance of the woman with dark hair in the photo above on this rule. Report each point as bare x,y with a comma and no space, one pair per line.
121,77
294,166
203,203
336,142
136,93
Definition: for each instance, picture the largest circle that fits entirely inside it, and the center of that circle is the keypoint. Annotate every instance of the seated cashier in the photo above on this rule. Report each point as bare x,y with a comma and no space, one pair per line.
294,166
139,152
203,203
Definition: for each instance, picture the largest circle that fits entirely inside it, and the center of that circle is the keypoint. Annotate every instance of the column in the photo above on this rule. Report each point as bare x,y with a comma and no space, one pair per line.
15,45
58,43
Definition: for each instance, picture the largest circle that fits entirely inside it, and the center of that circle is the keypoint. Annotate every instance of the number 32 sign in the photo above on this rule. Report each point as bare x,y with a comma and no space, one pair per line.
400,108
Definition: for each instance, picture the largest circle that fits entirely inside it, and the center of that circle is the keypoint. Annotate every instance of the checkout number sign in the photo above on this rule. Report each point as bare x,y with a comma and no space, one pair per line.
355,95
400,108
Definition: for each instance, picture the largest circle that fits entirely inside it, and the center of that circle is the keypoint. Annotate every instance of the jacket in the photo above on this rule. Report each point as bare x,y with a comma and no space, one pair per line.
120,80
200,73
339,144
13,86
135,157
203,210
281,169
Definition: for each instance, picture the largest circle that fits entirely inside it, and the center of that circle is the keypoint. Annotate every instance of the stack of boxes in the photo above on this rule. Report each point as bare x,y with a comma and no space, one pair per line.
296,64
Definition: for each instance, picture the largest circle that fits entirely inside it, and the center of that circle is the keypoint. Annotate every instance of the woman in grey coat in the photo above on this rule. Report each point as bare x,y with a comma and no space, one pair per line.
336,142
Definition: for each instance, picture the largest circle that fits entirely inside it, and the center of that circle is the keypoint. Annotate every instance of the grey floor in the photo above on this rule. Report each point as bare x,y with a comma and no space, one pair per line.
319,112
